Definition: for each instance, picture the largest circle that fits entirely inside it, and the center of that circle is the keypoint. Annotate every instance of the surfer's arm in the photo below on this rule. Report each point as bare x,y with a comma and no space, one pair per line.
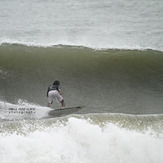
48,91
59,90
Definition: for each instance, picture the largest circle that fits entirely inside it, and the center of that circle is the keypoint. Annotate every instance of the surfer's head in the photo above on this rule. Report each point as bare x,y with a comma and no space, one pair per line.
57,82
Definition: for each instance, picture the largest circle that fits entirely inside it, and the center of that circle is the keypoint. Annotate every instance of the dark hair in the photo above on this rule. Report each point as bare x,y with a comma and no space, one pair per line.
57,82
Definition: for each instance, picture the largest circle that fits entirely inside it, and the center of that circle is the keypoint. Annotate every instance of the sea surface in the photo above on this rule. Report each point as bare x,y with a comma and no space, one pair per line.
108,56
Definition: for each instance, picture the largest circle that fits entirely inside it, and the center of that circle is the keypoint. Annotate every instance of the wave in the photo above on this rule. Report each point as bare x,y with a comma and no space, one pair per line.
110,80
83,138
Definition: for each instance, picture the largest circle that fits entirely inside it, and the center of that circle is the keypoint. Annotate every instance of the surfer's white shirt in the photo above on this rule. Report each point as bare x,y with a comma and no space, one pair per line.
54,94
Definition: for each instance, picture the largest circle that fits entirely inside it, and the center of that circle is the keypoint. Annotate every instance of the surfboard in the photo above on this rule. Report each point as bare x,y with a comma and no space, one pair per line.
65,111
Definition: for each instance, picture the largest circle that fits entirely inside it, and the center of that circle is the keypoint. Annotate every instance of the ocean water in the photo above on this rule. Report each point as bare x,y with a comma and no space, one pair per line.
108,56
96,24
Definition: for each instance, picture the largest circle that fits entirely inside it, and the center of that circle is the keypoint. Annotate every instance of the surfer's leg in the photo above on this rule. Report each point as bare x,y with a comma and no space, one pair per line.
60,98
63,103
50,98
50,103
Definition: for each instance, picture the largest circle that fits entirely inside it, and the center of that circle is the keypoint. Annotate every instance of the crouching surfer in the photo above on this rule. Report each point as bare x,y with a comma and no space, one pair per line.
54,92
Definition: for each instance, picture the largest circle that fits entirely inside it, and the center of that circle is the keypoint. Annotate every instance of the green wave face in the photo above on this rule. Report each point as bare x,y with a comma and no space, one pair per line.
111,80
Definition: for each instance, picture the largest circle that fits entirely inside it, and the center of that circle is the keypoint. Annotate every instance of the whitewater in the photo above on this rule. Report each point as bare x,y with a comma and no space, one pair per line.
78,139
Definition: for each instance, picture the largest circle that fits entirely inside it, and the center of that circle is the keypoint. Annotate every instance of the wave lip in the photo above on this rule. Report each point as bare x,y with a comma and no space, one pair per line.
76,44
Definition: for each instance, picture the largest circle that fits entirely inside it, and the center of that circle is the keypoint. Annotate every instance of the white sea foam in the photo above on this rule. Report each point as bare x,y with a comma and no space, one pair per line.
79,140
22,110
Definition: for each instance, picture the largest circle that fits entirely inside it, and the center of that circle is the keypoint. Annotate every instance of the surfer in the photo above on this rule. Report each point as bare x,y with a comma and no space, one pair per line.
55,92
